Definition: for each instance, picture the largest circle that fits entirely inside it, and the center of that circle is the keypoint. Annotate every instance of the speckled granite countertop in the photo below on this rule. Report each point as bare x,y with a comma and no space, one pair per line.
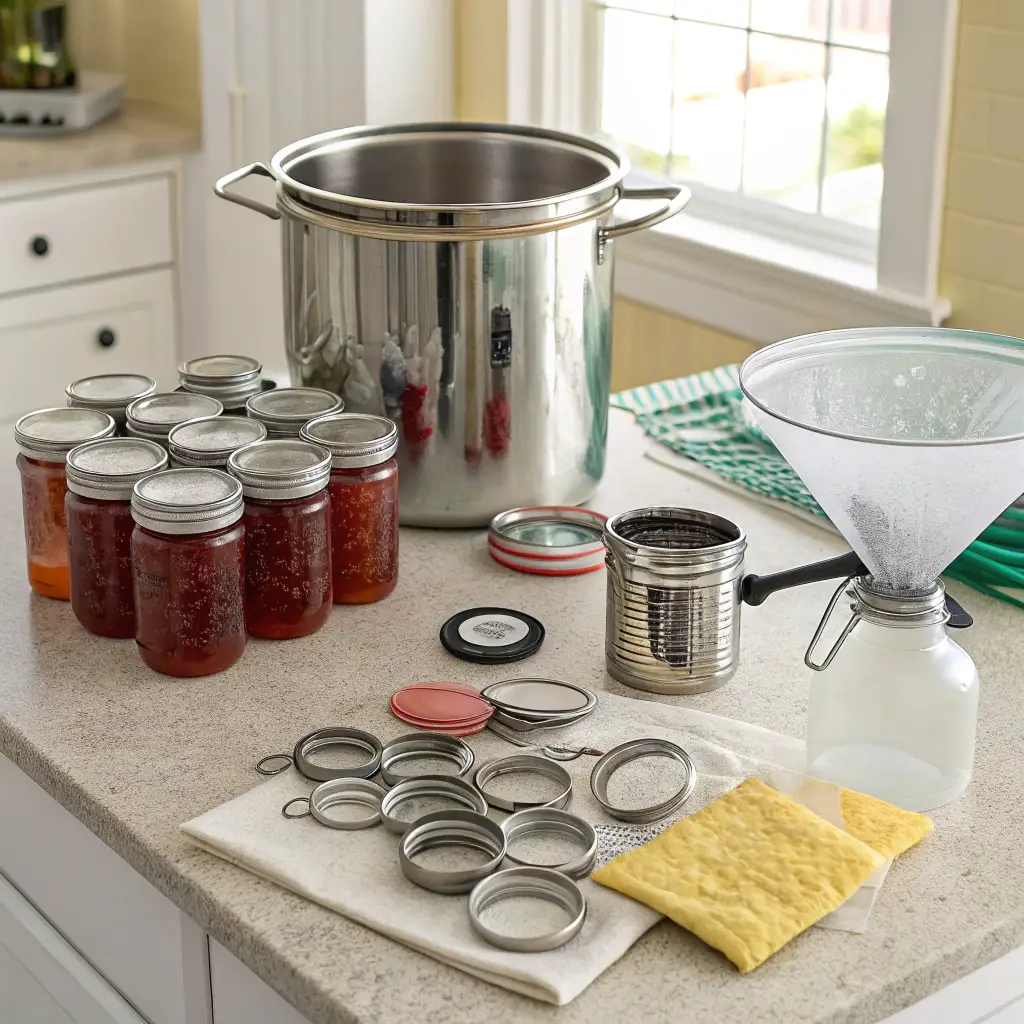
90,724
139,132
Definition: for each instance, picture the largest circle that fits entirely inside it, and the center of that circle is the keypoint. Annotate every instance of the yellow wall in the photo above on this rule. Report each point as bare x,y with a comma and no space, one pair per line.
982,264
153,43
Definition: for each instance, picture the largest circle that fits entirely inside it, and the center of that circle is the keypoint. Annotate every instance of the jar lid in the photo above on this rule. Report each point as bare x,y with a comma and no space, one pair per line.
232,379
154,415
109,392
553,540
492,635
187,501
210,440
110,468
49,434
284,411
280,469
353,439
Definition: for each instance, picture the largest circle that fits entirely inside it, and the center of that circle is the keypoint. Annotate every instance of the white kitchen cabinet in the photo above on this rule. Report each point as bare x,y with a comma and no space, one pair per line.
43,979
239,997
49,338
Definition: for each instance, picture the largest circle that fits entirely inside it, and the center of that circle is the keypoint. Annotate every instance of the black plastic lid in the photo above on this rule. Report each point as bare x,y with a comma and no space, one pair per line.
492,635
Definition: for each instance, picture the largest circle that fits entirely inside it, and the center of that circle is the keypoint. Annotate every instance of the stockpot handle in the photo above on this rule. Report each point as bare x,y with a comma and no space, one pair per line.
223,184
677,195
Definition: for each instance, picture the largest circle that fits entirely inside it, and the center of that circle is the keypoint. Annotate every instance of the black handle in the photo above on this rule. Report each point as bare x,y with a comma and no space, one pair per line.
40,245
958,617
106,337
755,589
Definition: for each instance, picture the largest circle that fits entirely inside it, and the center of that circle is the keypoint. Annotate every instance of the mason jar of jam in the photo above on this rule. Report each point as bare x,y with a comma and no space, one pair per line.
188,562
364,503
284,411
208,442
111,393
232,380
288,584
153,417
101,475
44,439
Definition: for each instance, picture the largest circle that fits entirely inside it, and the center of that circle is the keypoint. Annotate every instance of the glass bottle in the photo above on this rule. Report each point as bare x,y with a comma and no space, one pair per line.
364,503
284,411
188,561
44,439
209,441
153,417
101,475
288,583
111,393
894,713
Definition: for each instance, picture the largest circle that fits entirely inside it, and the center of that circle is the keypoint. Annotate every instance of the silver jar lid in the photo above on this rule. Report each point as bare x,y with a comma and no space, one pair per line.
187,501
284,410
230,379
154,416
49,434
280,469
354,440
110,392
209,441
109,469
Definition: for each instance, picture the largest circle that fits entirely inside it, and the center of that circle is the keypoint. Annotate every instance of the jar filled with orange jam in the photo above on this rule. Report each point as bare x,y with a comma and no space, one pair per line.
364,503
44,439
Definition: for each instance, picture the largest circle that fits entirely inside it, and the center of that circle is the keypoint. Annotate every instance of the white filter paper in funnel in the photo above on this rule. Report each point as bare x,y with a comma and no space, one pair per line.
911,440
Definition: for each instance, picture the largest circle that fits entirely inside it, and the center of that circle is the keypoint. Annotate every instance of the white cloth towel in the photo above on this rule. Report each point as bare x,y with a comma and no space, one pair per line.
357,873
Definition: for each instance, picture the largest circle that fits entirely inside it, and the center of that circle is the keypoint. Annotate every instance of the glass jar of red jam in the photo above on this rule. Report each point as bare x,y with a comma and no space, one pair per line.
153,417
284,411
209,441
101,475
187,557
364,503
232,380
111,393
44,439
288,584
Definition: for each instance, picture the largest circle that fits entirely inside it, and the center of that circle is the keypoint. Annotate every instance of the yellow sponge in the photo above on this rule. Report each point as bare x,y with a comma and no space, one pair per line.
888,830
747,873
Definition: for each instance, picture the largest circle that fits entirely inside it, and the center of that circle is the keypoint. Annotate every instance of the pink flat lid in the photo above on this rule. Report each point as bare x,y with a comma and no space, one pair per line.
440,706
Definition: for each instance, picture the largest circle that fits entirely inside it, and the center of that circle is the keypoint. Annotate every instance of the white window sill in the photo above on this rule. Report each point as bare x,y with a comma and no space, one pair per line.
758,288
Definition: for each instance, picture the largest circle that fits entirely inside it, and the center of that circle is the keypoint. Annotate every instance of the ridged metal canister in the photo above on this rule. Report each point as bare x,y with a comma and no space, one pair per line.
673,610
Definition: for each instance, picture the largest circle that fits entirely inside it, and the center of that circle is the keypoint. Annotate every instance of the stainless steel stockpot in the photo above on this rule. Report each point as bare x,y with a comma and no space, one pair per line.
457,278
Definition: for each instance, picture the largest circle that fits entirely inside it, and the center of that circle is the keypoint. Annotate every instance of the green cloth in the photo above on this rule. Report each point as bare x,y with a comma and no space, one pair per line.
703,417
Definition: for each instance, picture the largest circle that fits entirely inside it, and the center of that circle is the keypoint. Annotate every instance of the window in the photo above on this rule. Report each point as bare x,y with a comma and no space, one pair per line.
783,100
781,116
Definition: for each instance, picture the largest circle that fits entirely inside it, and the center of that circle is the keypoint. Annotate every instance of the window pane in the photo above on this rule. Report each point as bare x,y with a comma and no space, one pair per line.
718,12
858,87
662,7
707,135
636,105
785,110
807,19
861,23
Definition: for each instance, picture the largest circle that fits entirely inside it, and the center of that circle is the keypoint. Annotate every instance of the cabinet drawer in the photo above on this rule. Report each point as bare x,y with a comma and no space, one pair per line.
58,237
51,338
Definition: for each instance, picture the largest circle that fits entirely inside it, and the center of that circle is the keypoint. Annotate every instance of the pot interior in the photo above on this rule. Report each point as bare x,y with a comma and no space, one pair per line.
449,168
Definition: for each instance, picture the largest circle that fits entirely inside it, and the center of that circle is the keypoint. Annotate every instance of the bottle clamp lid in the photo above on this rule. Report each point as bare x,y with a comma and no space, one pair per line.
109,469
280,469
209,441
553,540
284,410
187,501
49,434
154,416
492,635
354,440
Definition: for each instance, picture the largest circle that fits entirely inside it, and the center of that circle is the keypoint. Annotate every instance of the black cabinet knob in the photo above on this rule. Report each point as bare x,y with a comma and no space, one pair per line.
40,245
106,337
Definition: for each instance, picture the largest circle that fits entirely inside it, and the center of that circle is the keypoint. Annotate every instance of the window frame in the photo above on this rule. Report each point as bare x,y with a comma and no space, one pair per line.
553,80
